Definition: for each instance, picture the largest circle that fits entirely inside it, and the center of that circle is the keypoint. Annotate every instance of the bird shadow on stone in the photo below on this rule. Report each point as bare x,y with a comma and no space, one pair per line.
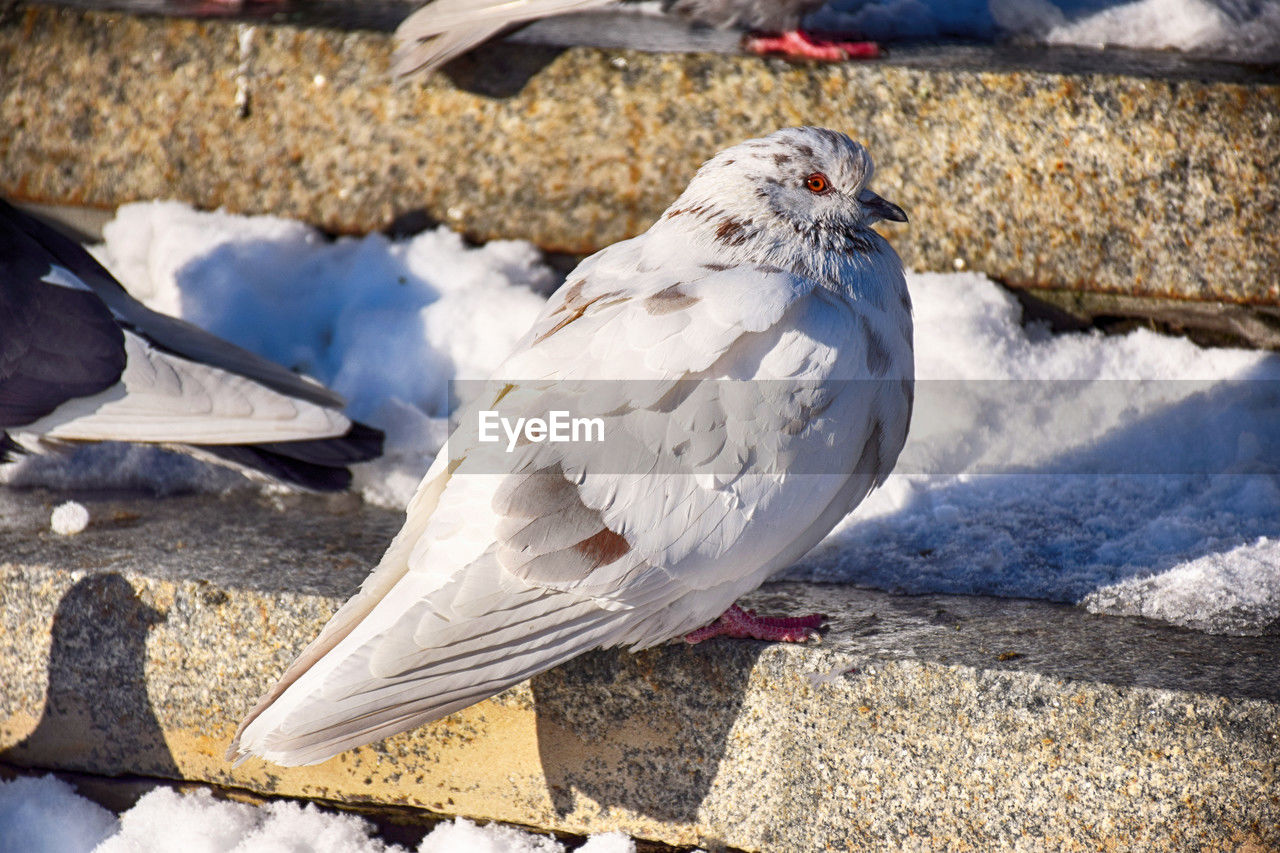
499,69
642,732
97,714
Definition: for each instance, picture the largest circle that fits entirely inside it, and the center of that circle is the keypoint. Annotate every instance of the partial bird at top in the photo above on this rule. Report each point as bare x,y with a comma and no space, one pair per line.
444,29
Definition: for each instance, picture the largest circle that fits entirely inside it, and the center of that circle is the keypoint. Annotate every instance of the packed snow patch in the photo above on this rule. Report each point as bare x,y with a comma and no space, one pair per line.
463,835
1233,591
1235,30
1077,468
45,815
165,820
69,518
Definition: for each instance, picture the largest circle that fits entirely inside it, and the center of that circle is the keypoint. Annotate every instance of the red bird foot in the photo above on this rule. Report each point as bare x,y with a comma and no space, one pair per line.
797,44
746,625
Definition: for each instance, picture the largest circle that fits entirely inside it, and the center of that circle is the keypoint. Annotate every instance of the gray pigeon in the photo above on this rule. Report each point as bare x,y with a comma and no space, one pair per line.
82,361
443,29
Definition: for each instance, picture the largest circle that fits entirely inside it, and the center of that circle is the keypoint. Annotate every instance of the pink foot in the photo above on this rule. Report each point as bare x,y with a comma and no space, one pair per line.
746,625
798,44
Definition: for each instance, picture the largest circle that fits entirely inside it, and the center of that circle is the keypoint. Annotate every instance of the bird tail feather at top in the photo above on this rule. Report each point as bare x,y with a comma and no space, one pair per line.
443,29
423,54
410,661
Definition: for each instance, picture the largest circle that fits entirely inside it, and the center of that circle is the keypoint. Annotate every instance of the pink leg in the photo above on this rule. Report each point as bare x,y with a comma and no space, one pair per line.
798,44
746,625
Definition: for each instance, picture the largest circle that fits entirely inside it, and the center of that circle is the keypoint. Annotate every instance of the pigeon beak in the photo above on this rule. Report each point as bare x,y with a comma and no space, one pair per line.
877,208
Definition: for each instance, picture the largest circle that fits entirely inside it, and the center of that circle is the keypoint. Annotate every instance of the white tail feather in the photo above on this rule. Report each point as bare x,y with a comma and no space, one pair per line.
375,682
443,29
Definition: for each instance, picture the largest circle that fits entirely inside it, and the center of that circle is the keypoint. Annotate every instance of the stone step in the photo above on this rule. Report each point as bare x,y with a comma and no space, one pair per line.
1112,173
929,722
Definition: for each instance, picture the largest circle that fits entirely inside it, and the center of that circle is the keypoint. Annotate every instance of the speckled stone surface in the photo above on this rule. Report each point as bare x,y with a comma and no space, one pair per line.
1091,181
927,722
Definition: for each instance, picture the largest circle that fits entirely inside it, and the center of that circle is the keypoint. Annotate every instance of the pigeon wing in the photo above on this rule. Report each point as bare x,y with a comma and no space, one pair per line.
162,398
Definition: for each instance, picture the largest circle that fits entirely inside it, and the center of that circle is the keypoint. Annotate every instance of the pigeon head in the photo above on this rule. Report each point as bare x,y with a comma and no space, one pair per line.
798,198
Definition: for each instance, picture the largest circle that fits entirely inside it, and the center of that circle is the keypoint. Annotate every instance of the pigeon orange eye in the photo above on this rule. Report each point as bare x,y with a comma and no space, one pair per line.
817,183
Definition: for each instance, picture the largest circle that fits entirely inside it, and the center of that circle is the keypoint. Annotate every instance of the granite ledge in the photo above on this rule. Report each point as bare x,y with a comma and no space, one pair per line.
1102,181
932,722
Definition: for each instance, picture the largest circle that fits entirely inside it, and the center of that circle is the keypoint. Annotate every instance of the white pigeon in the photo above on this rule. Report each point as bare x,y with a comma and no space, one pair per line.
750,356
83,361
443,29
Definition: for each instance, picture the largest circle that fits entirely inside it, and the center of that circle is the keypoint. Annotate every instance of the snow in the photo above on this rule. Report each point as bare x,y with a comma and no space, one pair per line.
45,815
466,837
1220,29
1135,474
1233,591
1119,472
1227,29
69,518
111,465
165,820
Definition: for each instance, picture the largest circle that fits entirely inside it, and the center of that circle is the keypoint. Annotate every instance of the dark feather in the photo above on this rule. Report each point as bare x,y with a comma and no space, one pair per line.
306,475
56,343
358,444
9,449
